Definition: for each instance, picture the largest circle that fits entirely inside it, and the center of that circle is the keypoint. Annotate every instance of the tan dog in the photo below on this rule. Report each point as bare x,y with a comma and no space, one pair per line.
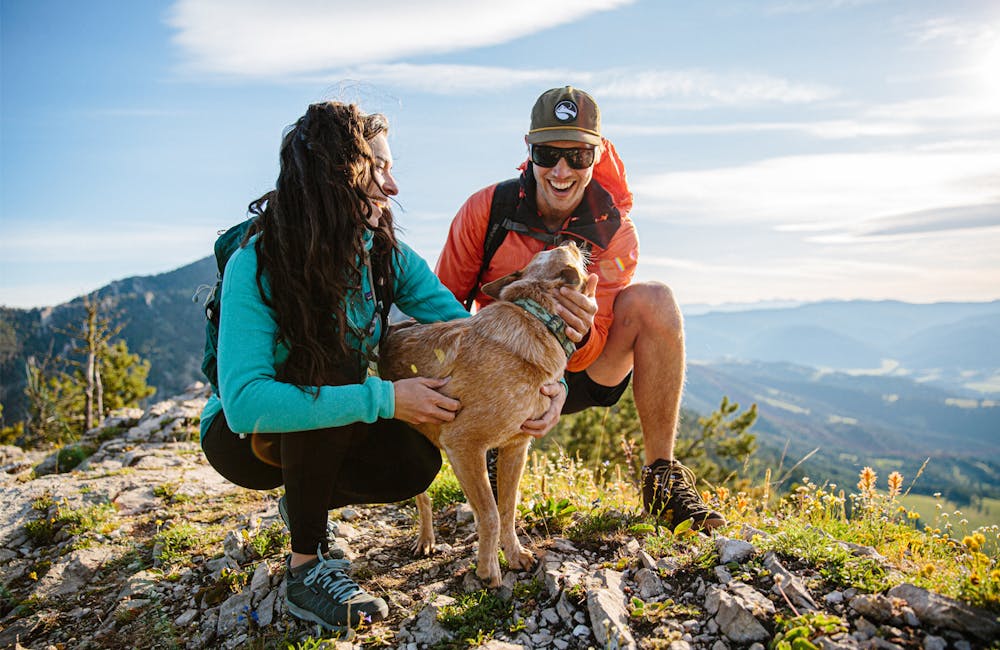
498,360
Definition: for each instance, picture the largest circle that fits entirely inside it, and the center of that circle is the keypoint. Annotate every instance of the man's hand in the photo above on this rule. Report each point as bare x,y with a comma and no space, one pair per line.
578,309
541,426
418,401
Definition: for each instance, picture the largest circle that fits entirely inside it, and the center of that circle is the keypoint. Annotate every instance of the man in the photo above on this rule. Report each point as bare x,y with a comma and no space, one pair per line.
574,188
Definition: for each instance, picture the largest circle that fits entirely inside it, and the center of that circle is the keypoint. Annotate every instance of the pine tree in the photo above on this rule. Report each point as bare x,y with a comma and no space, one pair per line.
717,447
65,402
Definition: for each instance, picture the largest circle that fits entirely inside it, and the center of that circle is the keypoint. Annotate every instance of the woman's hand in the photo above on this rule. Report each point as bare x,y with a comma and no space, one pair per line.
541,426
578,309
418,401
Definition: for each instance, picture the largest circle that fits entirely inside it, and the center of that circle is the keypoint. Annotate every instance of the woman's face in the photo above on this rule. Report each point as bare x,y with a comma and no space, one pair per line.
381,184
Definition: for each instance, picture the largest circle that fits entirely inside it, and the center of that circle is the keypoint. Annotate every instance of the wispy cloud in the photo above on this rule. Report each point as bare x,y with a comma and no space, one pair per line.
922,222
955,31
680,88
259,38
823,129
854,193
808,6
448,79
700,87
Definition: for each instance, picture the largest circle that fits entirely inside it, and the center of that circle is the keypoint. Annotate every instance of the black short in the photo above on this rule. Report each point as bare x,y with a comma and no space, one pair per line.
584,392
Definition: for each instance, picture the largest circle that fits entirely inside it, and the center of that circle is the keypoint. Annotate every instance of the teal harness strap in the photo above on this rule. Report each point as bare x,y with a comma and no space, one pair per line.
554,324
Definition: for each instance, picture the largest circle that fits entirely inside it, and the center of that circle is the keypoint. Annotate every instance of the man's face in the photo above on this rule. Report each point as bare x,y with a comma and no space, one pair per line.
381,185
560,188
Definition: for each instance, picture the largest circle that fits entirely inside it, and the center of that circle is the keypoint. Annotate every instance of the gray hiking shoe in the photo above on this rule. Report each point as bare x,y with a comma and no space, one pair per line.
668,492
320,591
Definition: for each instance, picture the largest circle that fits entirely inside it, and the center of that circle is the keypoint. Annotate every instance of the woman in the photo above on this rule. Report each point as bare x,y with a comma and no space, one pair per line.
304,302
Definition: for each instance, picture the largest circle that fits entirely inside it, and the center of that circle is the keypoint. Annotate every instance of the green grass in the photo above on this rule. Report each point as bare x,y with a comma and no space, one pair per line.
474,618
445,490
978,515
176,542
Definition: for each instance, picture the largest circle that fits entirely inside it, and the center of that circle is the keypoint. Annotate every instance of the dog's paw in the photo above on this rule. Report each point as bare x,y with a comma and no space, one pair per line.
520,558
489,572
423,546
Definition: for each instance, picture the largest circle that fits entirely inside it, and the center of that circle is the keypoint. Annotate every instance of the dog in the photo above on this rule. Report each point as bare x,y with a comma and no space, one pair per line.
498,360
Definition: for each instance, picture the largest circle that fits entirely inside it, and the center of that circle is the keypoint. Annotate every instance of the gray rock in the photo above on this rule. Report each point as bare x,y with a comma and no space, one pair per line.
234,613
464,514
608,615
265,610
941,611
733,550
932,642
494,644
647,560
581,631
426,629
72,572
260,583
875,607
345,530
186,618
789,584
541,638
720,645
723,575
233,547
865,629
649,583
736,608
140,584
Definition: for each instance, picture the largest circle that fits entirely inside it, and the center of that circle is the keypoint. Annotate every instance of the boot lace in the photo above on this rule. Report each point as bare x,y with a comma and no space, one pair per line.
676,482
331,575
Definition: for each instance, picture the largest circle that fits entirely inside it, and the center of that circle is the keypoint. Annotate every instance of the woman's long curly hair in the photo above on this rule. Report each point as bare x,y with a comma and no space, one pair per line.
311,229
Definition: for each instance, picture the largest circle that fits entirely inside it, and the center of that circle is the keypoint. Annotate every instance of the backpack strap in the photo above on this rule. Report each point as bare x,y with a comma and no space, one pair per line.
505,198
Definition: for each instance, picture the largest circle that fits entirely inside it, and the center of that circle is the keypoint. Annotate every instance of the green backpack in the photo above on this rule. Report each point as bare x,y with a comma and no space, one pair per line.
227,244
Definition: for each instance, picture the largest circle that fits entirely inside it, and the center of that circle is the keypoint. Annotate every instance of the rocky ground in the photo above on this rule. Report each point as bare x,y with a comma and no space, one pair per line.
143,545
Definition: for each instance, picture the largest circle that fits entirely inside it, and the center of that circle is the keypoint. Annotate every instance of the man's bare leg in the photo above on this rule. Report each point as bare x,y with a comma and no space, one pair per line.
647,335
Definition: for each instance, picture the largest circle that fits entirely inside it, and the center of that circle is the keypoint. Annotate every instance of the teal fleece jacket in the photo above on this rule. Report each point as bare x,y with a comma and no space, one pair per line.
249,355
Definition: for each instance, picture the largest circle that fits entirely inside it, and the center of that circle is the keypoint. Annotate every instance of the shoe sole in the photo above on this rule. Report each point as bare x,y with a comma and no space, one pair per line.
306,615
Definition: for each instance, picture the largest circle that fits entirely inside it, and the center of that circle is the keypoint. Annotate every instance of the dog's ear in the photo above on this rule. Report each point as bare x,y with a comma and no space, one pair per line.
570,277
493,289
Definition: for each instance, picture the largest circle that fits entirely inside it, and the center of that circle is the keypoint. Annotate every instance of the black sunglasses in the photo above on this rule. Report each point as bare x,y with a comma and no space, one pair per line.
546,156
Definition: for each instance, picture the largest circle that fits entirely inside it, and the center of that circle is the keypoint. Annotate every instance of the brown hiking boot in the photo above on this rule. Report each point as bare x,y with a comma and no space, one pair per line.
668,492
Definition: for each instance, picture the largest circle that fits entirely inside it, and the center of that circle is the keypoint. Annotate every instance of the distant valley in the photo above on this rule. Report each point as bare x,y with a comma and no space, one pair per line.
882,383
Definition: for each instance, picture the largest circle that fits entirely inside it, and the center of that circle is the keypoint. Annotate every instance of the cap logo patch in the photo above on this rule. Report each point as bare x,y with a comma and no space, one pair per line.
565,111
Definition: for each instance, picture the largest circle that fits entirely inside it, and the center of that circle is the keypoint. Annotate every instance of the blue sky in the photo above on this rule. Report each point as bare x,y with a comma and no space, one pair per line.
778,150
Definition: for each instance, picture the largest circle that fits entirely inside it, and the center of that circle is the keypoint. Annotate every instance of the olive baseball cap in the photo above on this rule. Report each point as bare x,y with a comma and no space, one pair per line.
565,114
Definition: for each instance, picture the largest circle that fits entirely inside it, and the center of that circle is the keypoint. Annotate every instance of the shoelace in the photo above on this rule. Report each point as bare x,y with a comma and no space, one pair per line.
331,575
679,482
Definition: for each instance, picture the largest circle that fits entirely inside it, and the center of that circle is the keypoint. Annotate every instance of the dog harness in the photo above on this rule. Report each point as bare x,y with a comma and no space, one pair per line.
554,324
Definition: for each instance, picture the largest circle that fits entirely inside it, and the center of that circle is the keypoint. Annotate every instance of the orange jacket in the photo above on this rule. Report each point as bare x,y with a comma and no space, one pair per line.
602,219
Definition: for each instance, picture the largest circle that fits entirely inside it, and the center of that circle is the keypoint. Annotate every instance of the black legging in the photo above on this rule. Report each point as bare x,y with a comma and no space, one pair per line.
323,469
